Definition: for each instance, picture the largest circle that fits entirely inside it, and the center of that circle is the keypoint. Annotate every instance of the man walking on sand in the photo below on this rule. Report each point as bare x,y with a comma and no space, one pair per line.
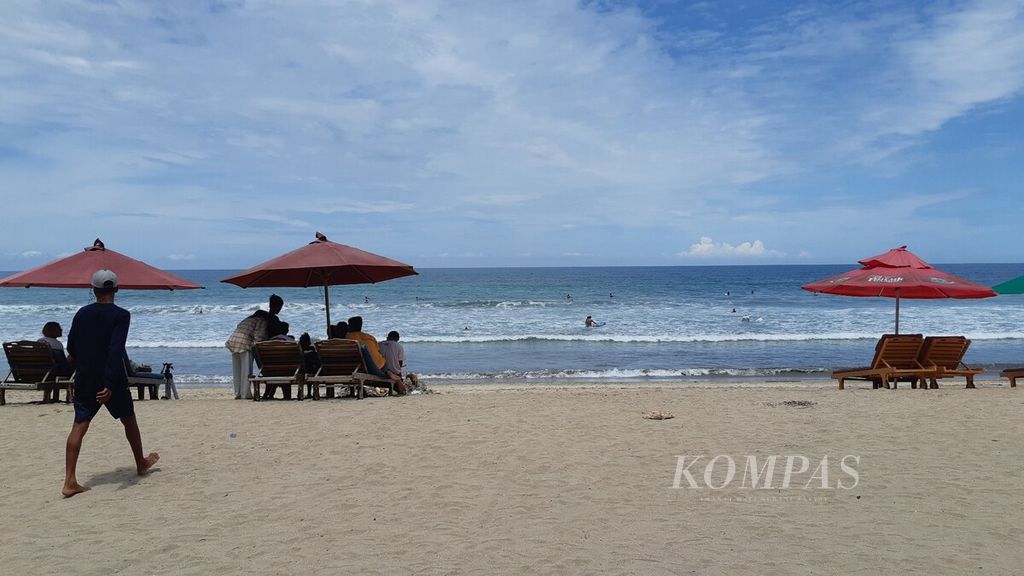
96,342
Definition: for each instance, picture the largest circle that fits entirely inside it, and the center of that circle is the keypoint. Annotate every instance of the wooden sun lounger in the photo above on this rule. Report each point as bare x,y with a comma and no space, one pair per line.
896,358
945,356
1012,374
281,363
32,368
142,383
341,364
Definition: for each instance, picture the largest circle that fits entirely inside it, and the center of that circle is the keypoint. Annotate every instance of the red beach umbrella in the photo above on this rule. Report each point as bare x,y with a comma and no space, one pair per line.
76,271
321,263
897,274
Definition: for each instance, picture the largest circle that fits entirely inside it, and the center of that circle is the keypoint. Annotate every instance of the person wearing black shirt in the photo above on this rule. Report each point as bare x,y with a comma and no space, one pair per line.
96,342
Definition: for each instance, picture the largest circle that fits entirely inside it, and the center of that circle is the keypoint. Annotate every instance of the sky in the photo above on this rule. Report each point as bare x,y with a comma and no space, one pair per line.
218,134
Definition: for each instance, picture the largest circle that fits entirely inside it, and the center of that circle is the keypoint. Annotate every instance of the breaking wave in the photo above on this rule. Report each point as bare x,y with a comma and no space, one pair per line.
137,342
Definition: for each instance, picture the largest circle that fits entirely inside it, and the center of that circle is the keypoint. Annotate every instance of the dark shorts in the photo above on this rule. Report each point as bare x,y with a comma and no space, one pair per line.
119,405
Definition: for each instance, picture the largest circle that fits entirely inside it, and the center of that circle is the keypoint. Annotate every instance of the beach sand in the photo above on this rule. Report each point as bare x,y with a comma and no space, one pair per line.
525,480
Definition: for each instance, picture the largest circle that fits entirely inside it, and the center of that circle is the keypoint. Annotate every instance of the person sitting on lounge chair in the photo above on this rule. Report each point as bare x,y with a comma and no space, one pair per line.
136,370
355,332
394,362
310,359
61,365
341,330
309,356
279,332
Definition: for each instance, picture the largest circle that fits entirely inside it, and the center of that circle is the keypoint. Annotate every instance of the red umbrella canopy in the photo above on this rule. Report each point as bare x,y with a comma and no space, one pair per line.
896,258
899,273
321,263
76,271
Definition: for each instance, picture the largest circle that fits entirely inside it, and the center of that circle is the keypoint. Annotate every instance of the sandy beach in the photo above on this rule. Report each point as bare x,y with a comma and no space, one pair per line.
527,479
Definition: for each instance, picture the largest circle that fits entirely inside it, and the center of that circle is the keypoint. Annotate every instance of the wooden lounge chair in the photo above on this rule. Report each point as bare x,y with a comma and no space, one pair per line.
341,364
142,383
33,368
1012,374
281,364
896,358
945,356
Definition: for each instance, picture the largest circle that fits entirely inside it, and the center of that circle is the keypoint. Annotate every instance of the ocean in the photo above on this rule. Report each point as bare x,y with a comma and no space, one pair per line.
724,323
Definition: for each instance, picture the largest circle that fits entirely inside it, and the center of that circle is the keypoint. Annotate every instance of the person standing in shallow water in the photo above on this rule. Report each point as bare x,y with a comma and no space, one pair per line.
96,342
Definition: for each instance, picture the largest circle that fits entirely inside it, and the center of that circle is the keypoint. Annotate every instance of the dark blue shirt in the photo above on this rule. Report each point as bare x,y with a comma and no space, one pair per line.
96,342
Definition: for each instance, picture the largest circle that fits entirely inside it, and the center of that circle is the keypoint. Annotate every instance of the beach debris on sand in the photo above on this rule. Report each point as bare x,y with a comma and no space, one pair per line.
657,415
792,404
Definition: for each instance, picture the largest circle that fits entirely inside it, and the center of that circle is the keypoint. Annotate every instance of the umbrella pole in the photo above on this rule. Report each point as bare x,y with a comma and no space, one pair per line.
897,311
327,306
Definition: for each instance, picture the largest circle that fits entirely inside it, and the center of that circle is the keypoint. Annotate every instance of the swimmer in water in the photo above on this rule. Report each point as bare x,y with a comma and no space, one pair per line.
589,322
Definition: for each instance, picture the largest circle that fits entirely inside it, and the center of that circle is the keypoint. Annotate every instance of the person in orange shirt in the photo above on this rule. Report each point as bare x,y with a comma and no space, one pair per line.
341,330
355,332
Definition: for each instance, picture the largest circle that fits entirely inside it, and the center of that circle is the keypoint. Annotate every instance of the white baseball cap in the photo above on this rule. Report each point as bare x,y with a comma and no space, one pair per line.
104,279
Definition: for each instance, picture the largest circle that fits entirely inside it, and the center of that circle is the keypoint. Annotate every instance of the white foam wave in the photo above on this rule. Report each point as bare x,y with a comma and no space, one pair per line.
624,374
142,341
32,308
238,309
176,343
202,379
710,338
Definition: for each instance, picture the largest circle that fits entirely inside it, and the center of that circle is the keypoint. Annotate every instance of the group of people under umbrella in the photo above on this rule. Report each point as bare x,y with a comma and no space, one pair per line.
897,274
321,263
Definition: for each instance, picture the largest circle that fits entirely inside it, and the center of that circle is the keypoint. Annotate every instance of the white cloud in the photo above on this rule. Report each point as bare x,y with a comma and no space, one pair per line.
361,207
500,200
31,253
179,257
970,57
707,248
439,125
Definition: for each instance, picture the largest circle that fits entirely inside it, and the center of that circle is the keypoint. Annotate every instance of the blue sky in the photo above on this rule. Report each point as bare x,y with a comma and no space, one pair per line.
219,134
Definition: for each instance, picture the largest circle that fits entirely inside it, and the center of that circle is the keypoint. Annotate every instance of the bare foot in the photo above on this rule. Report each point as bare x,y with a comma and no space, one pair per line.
148,463
76,488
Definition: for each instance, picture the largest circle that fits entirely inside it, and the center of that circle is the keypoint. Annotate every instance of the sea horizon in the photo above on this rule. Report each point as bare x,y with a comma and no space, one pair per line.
501,324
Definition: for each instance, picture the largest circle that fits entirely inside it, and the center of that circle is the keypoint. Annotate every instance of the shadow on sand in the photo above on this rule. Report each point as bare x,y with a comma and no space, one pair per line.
126,477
